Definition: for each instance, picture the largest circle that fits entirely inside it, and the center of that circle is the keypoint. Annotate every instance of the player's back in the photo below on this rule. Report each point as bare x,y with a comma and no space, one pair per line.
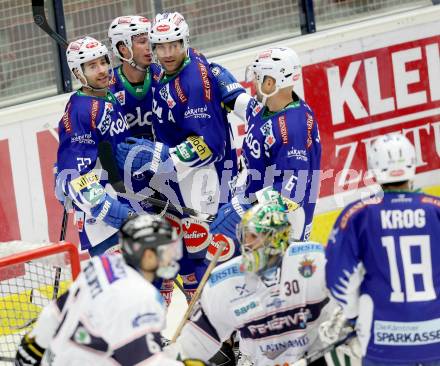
396,240
107,308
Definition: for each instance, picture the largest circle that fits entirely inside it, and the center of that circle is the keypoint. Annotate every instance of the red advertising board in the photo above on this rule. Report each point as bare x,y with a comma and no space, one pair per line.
361,96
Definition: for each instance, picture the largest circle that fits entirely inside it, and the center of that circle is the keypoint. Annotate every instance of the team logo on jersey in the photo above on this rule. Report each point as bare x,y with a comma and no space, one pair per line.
179,91
227,252
166,96
309,130
283,128
195,235
256,109
267,131
205,81
120,96
307,268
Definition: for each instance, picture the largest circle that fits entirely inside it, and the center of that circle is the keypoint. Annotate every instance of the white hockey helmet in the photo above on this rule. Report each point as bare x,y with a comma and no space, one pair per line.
169,27
122,29
392,158
84,50
280,63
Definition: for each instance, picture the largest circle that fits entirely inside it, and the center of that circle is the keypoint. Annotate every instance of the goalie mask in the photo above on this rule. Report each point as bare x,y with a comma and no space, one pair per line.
281,63
122,29
84,50
143,232
392,158
264,236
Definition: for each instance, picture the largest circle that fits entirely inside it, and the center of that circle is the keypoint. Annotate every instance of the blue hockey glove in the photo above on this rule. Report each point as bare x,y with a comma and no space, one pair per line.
229,87
111,211
141,154
228,217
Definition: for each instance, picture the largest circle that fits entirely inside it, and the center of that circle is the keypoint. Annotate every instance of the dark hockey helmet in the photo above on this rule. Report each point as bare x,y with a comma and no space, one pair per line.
142,232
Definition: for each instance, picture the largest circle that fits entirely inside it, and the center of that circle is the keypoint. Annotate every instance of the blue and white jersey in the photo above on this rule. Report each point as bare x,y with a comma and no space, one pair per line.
189,118
277,314
381,268
88,121
136,100
94,324
282,150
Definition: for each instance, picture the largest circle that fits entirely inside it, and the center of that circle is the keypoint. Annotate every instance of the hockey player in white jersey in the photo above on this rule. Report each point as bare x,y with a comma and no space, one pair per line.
273,295
111,315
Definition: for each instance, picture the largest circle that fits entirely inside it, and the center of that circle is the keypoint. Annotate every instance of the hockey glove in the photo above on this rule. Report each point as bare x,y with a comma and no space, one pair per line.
141,155
229,87
111,211
337,327
228,217
28,352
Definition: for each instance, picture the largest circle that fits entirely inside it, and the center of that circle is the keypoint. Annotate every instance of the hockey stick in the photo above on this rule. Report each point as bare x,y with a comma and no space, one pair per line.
56,282
41,20
105,154
320,353
199,290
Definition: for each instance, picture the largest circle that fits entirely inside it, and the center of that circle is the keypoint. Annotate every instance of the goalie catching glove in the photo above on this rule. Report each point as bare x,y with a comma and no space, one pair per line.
29,353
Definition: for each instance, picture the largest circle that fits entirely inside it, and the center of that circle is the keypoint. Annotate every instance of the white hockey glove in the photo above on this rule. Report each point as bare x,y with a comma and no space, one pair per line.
338,327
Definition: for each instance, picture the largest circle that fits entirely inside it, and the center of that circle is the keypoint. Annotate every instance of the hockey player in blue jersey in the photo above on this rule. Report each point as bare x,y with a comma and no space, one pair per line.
133,80
193,144
92,116
281,150
381,263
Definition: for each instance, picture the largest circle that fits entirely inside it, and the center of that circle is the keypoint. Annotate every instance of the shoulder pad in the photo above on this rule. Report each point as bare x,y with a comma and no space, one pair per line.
225,271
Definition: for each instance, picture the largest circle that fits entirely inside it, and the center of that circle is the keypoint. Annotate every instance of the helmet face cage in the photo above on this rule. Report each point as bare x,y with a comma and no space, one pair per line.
122,29
84,50
169,27
392,158
270,225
